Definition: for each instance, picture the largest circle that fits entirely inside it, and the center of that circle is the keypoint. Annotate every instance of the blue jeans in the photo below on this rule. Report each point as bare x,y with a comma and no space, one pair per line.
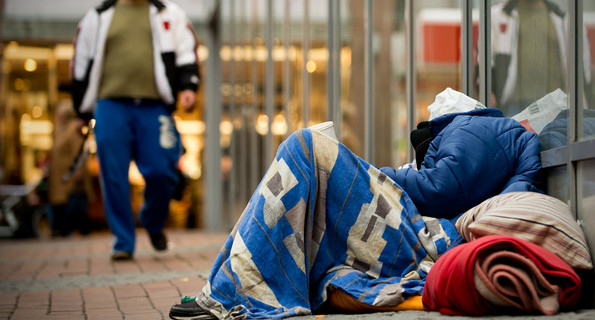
144,132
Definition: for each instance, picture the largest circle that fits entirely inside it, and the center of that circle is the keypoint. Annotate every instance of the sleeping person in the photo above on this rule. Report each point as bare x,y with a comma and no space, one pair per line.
324,221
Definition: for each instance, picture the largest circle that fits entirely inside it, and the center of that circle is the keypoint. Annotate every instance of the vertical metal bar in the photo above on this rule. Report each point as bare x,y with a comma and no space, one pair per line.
306,75
573,65
410,75
581,90
243,36
338,116
330,69
234,173
213,198
255,157
369,81
287,66
485,77
269,82
466,48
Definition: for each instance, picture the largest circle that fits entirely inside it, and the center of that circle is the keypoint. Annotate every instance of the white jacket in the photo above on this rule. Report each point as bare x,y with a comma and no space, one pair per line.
175,53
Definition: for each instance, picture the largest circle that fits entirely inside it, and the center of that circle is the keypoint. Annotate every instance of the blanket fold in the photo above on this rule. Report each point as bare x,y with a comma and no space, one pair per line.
322,219
496,274
510,280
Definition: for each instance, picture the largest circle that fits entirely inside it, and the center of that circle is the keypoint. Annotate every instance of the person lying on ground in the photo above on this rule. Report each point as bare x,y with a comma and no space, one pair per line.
323,219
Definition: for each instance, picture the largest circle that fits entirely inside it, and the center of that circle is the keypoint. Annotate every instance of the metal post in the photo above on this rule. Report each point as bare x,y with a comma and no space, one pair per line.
269,82
574,67
410,76
242,166
306,75
467,48
233,154
330,70
338,116
255,157
287,66
485,77
369,80
214,191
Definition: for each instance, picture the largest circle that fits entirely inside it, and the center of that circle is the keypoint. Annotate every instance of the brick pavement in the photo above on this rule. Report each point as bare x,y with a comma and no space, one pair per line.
73,278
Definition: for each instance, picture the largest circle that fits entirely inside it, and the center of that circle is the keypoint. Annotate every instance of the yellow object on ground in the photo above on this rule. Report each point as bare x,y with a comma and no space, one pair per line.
344,303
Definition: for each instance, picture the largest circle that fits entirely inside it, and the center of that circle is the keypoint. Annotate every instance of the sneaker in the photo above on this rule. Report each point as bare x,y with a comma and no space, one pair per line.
121,255
158,241
190,311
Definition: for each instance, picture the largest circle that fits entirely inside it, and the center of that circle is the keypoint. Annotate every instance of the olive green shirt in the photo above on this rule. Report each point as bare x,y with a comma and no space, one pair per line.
539,69
128,68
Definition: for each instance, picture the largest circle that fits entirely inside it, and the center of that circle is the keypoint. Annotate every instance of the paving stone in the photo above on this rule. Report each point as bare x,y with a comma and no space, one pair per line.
74,278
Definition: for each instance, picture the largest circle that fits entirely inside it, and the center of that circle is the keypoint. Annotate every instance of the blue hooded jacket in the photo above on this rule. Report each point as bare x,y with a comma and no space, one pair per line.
474,155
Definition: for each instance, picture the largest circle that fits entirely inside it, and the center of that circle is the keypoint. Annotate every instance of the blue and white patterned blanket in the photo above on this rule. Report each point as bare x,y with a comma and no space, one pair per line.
322,218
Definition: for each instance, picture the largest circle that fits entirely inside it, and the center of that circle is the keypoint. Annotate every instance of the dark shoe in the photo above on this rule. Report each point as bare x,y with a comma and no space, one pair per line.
189,310
158,241
121,255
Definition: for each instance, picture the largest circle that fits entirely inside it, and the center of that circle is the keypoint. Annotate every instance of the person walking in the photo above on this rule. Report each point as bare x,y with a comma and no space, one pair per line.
134,61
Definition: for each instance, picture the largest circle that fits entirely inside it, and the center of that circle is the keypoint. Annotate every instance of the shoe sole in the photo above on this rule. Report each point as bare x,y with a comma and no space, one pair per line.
159,242
121,256
200,317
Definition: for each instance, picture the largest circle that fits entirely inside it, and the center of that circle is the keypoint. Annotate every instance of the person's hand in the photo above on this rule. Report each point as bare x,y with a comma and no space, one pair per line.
188,100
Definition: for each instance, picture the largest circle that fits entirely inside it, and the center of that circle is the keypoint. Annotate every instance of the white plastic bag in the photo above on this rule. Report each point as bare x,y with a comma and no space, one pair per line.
452,101
327,127
543,111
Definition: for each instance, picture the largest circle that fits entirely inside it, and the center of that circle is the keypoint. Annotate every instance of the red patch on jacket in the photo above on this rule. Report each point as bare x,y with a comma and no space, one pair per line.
525,123
503,27
166,25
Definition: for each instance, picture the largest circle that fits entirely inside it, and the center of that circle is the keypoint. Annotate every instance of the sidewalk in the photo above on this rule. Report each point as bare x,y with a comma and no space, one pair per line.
74,278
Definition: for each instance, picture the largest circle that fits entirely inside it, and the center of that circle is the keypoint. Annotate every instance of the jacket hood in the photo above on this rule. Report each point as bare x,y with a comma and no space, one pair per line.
439,123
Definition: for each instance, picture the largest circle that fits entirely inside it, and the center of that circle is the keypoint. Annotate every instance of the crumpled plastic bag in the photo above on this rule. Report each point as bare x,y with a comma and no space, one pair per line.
452,101
543,111
327,127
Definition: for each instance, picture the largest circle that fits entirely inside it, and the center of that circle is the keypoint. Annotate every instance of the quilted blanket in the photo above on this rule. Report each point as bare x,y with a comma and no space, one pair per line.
323,218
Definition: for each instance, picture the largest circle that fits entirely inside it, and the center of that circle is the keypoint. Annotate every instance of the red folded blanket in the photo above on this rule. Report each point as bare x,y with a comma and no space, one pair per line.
500,274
